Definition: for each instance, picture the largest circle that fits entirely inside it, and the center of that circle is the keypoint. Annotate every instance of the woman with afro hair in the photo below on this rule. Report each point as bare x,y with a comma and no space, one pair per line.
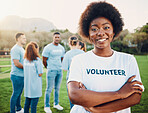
103,80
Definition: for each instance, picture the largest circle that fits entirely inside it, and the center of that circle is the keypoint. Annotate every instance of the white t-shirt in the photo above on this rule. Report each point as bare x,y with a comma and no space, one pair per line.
103,73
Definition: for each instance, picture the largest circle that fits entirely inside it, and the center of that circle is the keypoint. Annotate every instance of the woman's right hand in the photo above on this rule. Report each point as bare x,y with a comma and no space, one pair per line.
130,87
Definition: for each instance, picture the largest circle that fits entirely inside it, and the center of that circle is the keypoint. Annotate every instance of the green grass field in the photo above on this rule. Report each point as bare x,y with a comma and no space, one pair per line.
5,61
6,91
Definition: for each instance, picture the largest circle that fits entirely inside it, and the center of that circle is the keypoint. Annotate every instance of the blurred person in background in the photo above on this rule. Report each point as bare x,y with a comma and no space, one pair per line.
75,47
53,55
33,70
17,73
83,46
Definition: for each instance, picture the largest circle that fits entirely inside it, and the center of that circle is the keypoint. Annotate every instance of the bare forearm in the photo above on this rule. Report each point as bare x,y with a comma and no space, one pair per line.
17,63
45,64
61,59
45,61
81,96
117,104
90,98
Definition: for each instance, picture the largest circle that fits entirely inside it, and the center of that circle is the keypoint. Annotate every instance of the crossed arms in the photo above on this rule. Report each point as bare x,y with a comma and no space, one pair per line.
103,102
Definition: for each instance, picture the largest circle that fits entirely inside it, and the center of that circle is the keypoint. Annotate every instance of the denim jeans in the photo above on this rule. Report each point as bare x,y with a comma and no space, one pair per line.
18,85
31,101
53,78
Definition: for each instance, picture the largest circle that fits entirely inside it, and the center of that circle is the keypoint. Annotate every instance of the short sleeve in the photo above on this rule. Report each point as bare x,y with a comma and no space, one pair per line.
65,62
134,70
15,54
39,66
75,70
63,52
45,52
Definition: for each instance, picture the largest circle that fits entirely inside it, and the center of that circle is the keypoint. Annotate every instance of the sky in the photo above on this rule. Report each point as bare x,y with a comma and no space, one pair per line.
65,14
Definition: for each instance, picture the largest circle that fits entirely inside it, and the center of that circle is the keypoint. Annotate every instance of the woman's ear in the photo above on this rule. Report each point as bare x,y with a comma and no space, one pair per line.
90,39
113,36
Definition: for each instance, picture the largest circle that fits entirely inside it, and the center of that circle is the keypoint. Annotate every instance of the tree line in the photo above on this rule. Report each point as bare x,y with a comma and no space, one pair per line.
134,43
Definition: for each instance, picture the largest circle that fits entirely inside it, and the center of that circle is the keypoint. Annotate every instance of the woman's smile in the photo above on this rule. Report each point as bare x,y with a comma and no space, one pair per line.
101,40
101,32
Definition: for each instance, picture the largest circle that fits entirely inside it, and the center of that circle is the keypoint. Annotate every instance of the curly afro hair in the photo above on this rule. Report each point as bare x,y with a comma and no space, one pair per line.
99,9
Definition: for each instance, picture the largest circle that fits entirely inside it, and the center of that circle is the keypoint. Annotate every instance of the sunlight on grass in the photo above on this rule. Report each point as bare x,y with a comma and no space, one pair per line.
6,91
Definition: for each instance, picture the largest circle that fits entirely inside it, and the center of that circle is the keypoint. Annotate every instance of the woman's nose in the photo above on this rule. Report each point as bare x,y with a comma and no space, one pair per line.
100,32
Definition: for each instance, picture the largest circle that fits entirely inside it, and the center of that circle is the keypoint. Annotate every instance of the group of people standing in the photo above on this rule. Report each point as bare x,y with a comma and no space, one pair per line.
27,69
100,81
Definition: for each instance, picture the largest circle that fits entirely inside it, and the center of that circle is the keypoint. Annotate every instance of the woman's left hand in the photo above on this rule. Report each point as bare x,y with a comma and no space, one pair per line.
81,86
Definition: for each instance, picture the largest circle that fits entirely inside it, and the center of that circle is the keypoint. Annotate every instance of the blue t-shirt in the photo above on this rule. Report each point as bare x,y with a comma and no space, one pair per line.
54,54
17,52
68,58
32,80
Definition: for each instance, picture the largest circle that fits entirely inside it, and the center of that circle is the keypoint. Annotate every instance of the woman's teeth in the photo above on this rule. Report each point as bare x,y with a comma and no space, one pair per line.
101,40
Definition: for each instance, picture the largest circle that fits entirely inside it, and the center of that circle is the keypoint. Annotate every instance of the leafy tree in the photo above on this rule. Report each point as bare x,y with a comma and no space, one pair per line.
136,40
144,48
35,29
139,39
122,35
58,30
7,39
143,29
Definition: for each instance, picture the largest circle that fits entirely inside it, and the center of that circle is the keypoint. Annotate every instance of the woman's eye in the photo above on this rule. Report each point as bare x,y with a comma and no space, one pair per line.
106,27
94,29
